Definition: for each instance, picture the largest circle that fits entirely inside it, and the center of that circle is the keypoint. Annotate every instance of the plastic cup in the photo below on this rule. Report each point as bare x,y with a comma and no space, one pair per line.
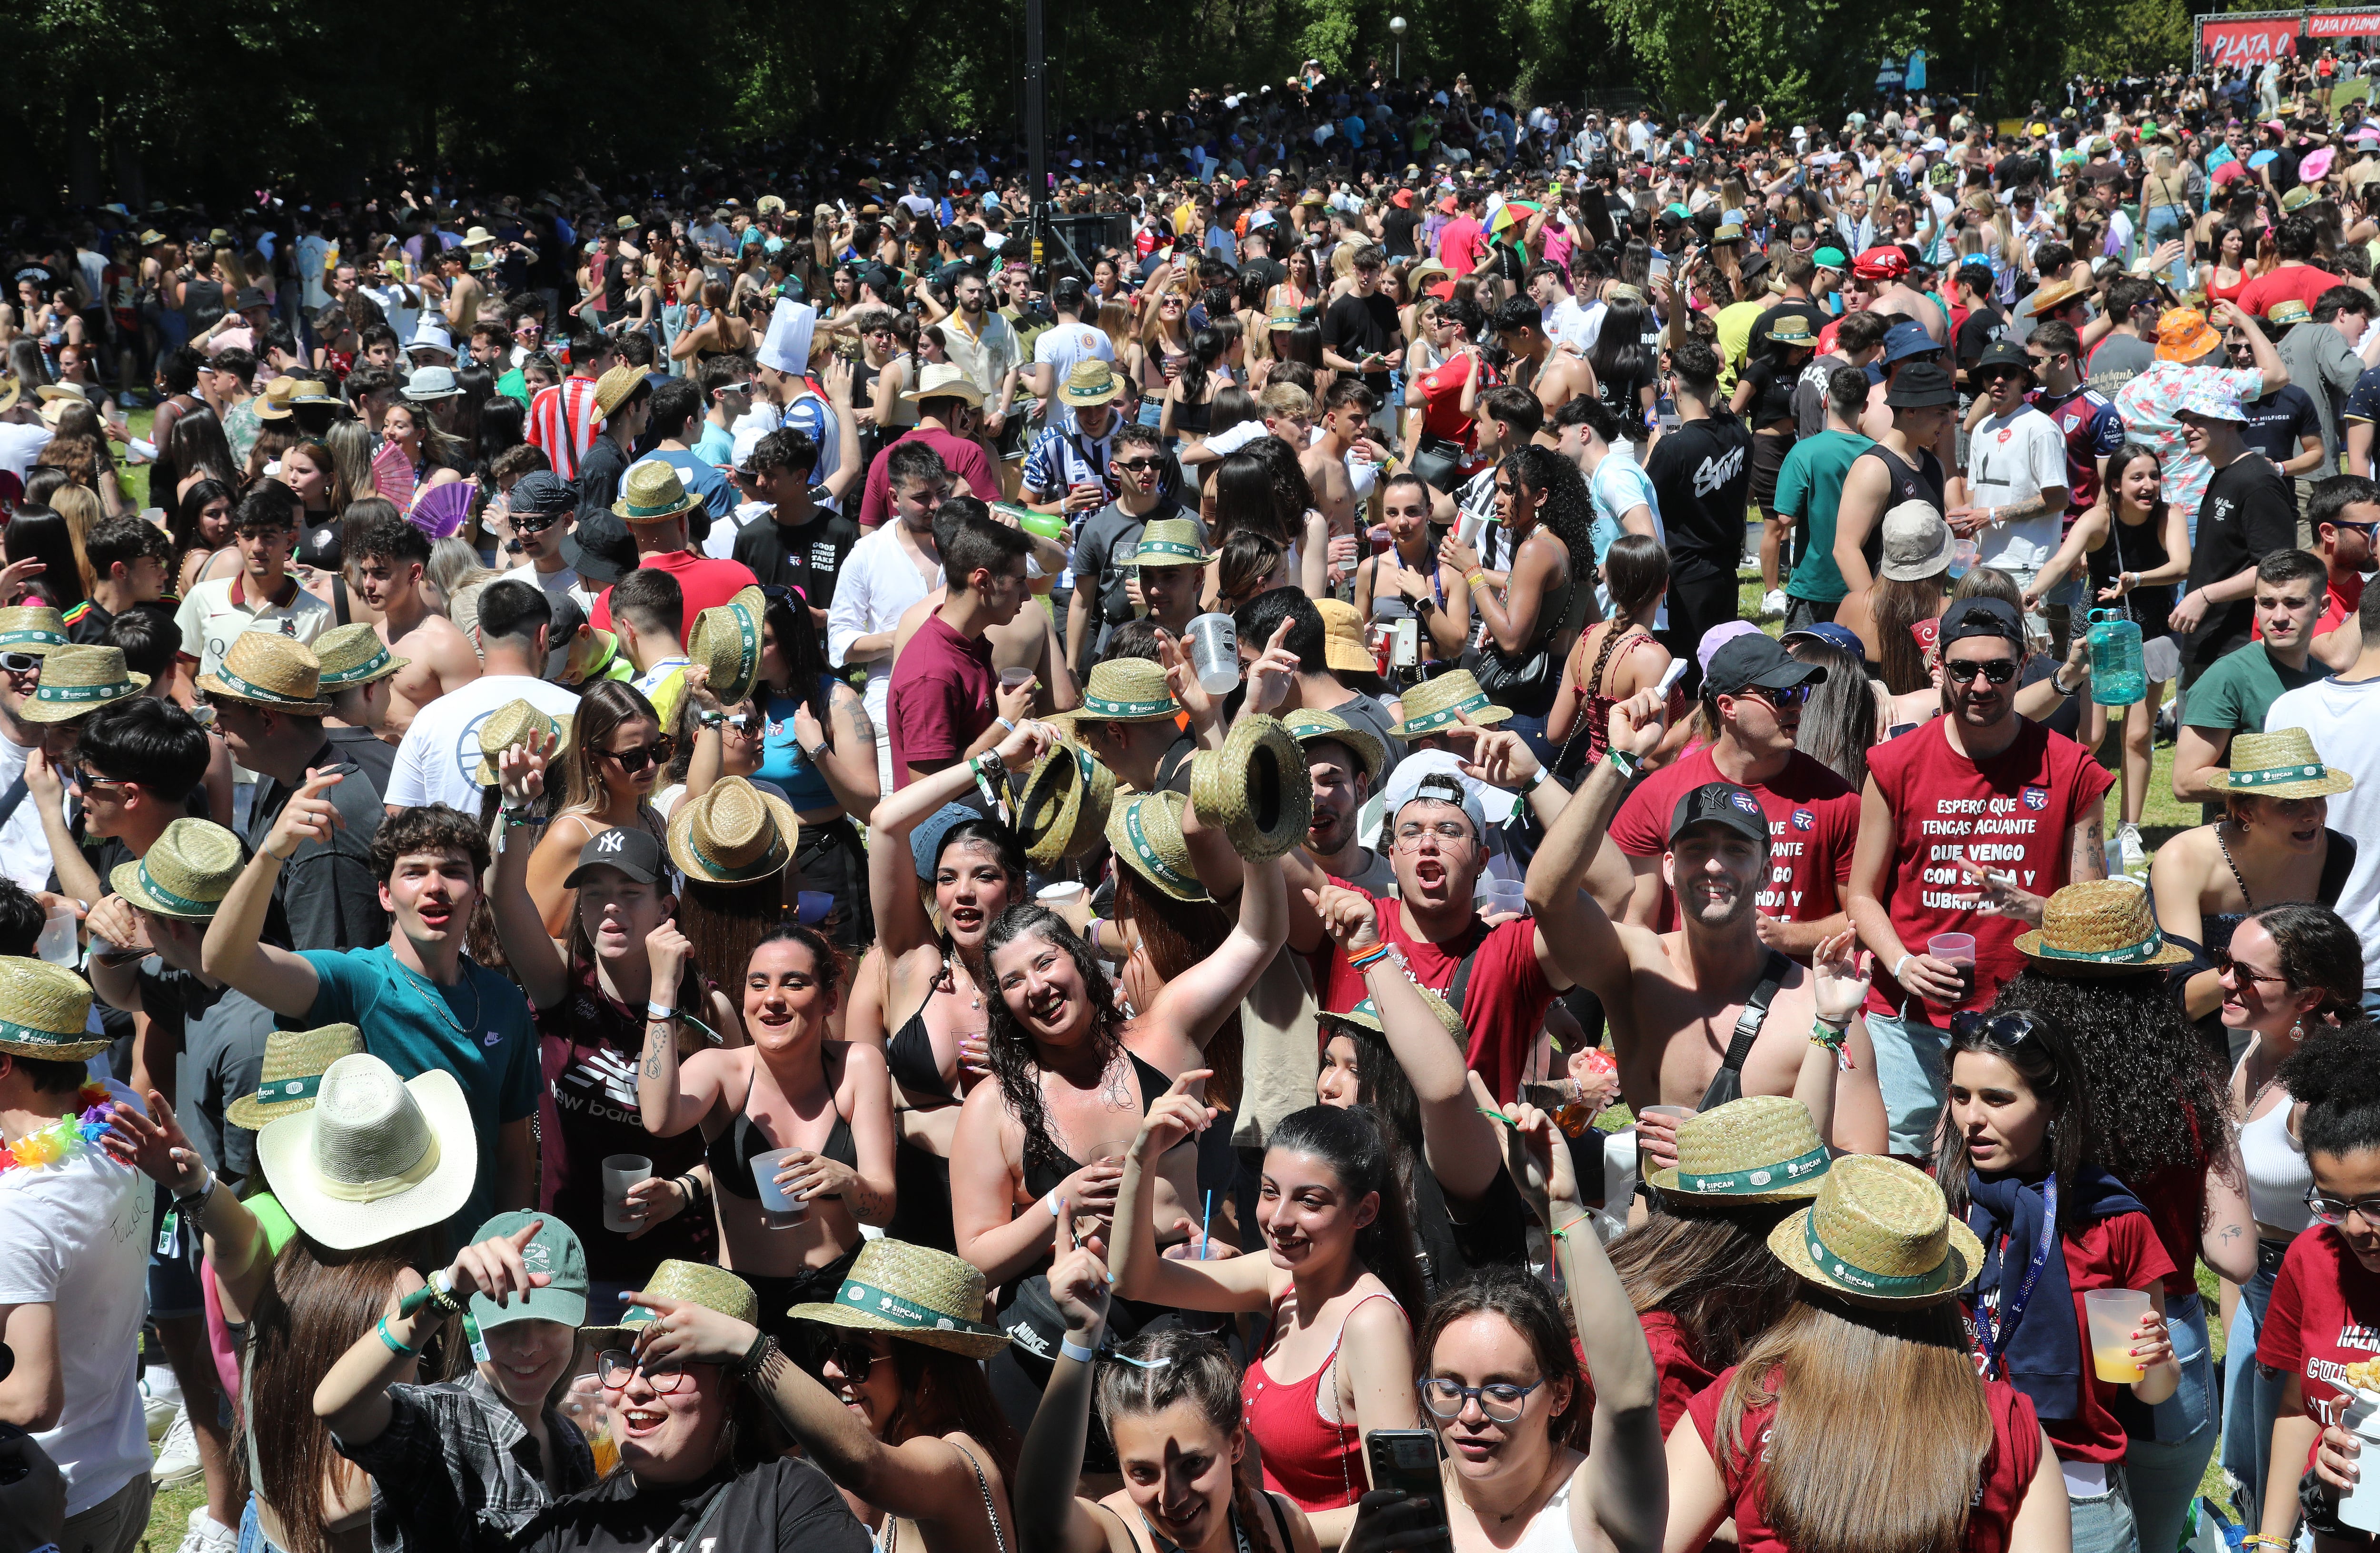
1011,678
780,1209
583,1405
1214,645
56,943
621,1172
2112,1313
1508,895
1065,892
1959,949
1467,527
2359,1505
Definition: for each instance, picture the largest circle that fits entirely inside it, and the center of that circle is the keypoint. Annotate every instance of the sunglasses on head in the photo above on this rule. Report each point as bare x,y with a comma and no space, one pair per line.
2010,1029
633,761
1998,671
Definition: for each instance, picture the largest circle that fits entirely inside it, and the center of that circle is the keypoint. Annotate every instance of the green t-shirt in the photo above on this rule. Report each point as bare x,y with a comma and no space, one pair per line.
2232,695
1809,489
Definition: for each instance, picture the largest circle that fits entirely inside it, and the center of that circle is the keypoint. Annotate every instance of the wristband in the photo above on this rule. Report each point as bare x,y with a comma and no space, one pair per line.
712,719
1076,1351
1897,965
1627,765
393,1346
1371,957
205,1190
1473,579
655,1011
755,1355
1006,723
1539,779
1051,1202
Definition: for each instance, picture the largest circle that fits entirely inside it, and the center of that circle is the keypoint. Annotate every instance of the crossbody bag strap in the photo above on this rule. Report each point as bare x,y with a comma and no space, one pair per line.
983,1487
1727,1083
692,1541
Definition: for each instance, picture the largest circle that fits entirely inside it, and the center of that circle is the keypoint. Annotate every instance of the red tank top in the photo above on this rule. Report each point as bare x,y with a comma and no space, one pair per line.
1315,1461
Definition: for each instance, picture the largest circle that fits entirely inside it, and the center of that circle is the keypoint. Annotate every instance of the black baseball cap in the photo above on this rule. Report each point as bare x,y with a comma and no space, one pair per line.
1981,617
2002,353
629,848
543,491
1756,659
1921,385
1720,803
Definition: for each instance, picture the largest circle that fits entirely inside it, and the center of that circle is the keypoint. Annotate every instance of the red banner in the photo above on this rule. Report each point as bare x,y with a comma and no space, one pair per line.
2342,24
2247,43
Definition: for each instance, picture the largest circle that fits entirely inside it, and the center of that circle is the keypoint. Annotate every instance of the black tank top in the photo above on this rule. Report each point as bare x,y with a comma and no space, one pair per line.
1921,481
1041,1180
730,1154
2135,548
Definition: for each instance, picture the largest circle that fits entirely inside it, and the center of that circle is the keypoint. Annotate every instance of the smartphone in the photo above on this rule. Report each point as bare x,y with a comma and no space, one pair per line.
1407,652
1406,1461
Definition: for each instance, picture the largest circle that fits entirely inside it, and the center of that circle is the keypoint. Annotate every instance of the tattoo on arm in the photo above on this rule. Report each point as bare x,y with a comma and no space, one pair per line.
862,726
867,1202
2090,859
657,1038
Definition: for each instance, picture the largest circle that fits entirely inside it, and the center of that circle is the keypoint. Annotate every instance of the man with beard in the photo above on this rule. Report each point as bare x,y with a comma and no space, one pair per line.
2345,511
1682,1004
983,347
1966,826
1343,761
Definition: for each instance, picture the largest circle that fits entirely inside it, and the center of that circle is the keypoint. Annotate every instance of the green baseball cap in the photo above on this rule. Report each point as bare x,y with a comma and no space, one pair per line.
554,1251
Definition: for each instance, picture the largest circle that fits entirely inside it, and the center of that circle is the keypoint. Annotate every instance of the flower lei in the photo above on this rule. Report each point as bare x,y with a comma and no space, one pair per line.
63,1138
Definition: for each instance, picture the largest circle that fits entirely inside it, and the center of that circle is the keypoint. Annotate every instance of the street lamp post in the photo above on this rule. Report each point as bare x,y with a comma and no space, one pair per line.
1397,26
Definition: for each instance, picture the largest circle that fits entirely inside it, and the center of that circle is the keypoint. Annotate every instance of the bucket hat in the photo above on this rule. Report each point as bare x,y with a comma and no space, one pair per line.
1145,832
726,641
1254,788
2099,928
1430,706
1917,543
294,1061
2184,334
1067,799
78,680
1763,1148
694,1282
184,874
917,1295
2281,764
375,1157
733,834
1879,1234
353,655
267,669
45,1012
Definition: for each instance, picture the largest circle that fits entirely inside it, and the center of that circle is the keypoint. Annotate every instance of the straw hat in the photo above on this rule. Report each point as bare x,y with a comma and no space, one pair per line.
1430,705
1255,788
1092,381
272,402
654,494
1366,1016
1879,1234
1343,638
353,655
726,640
2099,928
1309,727
733,834
1791,329
941,380
77,681
375,1157
914,1293
267,669
612,390
310,390
1145,832
45,1012
1764,1148
513,724
713,1288
1066,803
184,874
2281,764
10,391
294,1061
34,629
1127,690
478,236
1170,541
2048,299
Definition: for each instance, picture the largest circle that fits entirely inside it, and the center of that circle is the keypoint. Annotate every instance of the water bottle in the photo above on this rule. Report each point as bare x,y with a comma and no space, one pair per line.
2117,679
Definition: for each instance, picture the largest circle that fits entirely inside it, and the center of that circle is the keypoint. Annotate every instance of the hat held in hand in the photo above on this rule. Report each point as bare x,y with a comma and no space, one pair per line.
1256,789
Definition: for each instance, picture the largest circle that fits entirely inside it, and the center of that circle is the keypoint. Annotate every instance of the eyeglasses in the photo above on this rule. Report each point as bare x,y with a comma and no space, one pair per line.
20,662
1998,671
635,760
2333,1211
1445,831
2226,966
1139,465
1500,1400
2010,1029
613,1368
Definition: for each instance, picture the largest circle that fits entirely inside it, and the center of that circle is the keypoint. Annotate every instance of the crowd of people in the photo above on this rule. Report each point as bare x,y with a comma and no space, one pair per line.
723,868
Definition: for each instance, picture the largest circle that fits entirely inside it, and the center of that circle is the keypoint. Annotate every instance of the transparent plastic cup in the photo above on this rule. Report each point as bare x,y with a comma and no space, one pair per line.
2112,1314
1959,949
56,943
1214,645
780,1209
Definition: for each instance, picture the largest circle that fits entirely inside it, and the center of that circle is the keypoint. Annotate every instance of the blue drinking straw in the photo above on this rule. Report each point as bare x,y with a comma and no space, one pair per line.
1209,1219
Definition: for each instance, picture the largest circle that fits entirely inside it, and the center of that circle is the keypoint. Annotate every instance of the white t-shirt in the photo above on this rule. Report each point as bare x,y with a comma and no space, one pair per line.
76,1236
24,848
21,443
439,760
2344,720
2013,458
1064,347
560,584
210,617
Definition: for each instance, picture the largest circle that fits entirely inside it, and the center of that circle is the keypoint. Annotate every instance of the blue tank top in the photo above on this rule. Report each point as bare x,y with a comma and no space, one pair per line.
782,760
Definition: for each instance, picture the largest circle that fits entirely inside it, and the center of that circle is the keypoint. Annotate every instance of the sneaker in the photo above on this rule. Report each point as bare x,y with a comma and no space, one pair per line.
161,1399
207,1535
177,1456
128,401
1773,606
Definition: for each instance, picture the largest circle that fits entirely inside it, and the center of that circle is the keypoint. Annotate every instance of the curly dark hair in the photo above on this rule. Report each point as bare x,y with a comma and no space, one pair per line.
2336,1070
1014,1061
432,828
1568,513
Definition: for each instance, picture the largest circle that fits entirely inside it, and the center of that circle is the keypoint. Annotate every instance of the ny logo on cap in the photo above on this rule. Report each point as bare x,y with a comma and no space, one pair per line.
610,840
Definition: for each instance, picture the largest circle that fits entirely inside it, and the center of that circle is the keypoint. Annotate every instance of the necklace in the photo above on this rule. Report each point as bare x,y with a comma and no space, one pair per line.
2247,901
951,979
435,996
63,1138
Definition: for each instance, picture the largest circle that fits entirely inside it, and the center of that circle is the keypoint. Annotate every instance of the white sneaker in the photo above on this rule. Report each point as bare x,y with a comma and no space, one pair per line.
177,1457
208,1534
161,1399
1773,605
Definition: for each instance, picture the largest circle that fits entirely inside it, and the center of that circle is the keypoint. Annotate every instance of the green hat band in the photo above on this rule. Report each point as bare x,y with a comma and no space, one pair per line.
150,885
1759,1178
1860,1278
2131,954
728,872
280,1091
259,691
747,633
74,693
10,1030
1444,717
662,510
1099,706
1164,871
50,638
2271,776
349,677
1189,553
900,1310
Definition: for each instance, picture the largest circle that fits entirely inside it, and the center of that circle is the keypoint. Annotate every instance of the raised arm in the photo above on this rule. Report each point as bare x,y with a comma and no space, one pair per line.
1141,1272
540,967
1191,1006
901,921
671,1096
234,951
1049,1516
155,1145
850,468
1572,932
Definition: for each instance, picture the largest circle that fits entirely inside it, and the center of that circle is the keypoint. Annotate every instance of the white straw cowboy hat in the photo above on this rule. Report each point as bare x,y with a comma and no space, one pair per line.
735,833
914,1292
1763,1148
294,1061
375,1157
45,1012
78,680
184,874
267,669
1879,1234
941,380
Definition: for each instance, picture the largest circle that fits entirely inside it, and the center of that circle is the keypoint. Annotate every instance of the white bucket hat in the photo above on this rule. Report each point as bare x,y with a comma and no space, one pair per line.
375,1157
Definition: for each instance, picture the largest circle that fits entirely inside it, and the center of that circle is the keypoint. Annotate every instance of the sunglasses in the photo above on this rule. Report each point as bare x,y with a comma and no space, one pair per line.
2006,1030
20,662
534,522
633,761
1999,671
87,781
1792,695
1139,465
2226,968
852,1358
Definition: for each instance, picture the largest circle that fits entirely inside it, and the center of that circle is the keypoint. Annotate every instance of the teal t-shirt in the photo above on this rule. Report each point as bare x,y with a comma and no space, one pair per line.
1809,489
481,1035
2232,695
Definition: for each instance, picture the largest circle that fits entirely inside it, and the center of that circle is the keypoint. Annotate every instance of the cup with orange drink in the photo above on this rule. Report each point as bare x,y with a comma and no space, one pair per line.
2114,1315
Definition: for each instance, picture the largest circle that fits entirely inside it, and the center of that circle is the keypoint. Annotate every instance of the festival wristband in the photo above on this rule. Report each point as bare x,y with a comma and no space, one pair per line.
1366,961
655,1011
1473,580
198,1195
1076,1351
1627,765
393,1346
1051,1202
1897,965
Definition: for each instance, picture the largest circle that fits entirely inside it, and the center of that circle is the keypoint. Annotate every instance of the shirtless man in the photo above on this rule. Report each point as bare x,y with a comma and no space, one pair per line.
1556,377
1880,276
391,555
1029,641
1673,999
1346,409
463,293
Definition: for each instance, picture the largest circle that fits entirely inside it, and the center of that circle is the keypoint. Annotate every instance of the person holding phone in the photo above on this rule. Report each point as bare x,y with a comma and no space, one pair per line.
1360,331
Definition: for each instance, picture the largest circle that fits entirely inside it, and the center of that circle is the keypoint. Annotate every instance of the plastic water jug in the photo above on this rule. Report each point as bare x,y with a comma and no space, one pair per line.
2117,679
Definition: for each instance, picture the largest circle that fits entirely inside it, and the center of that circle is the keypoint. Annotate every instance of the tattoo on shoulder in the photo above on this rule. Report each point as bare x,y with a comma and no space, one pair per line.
862,725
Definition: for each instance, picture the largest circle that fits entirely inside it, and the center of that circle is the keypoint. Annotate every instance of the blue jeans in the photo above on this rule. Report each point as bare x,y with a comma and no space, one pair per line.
2251,1400
1911,1072
252,1531
2104,1523
2163,1473
2163,223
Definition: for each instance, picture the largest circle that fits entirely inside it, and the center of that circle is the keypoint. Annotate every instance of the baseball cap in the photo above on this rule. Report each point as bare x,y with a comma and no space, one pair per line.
1979,616
1719,636
1826,631
1920,385
554,1251
1721,803
1830,258
1433,776
1757,661
632,849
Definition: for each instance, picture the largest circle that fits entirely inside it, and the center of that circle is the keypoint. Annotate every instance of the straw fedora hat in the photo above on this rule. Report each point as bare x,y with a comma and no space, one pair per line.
1255,788
45,1012
267,669
1170,541
733,834
10,391
78,680
294,1061
1343,638
311,391
353,655
712,1288
1367,1016
184,874
654,494
941,380
2099,928
478,236
272,402
726,640
2049,299
1093,381
2281,764
34,629
1879,1234
612,390
1308,727
1764,1148
1145,832
1066,803
514,722
914,1293
1127,690
1430,705
375,1156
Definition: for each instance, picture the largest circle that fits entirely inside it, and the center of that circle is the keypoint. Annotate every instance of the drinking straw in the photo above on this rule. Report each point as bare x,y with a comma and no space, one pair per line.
1207,1219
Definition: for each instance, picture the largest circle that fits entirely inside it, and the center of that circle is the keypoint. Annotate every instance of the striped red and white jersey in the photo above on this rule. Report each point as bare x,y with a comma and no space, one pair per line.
563,422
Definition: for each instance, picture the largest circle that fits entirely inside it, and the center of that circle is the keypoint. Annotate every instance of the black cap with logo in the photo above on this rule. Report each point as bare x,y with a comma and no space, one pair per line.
1721,803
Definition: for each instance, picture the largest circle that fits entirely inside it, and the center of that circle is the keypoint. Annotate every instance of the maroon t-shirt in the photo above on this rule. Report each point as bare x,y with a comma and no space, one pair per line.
942,696
965,460
1812,829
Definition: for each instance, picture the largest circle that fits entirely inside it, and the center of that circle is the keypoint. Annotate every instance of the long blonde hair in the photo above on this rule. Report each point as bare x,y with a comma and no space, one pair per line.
1841,1474
350,442
79,505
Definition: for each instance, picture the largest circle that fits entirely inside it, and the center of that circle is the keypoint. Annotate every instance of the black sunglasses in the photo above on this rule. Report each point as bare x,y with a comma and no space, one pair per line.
635,760
1999,671
2007,1030
2226,966
1137,465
